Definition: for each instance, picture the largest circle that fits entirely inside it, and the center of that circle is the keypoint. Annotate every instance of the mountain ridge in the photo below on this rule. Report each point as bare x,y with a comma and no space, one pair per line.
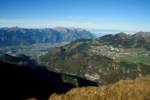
25,36
139,39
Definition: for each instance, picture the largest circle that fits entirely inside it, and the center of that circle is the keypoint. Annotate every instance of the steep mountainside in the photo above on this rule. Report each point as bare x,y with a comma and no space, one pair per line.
138,89
99,60
22,36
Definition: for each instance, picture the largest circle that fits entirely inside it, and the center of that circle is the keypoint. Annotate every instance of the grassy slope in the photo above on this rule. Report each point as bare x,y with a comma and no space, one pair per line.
75,58
138,89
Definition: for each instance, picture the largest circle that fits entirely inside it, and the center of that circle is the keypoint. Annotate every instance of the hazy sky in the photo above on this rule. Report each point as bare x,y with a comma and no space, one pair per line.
124,15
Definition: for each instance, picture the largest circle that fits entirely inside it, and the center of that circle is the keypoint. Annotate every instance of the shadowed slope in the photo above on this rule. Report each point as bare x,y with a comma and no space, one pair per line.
22,82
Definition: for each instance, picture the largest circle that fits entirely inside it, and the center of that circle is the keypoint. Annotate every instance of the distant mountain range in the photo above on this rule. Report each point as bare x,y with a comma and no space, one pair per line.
22,36
106,59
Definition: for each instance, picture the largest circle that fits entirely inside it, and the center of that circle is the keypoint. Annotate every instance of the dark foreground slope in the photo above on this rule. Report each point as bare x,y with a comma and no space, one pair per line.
138,89
22,82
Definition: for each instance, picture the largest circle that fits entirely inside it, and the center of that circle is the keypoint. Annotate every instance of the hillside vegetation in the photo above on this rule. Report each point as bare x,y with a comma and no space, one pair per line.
105,60
138,89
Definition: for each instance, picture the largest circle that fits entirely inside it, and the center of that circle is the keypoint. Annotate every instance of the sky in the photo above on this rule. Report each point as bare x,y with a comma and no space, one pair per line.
94,15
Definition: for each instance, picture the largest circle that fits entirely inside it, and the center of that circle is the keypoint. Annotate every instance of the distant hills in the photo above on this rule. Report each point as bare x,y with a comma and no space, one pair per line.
106,59
140,39
22,36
